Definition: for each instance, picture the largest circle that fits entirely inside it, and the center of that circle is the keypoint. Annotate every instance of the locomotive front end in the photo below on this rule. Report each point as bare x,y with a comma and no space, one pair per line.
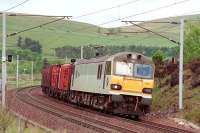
132,81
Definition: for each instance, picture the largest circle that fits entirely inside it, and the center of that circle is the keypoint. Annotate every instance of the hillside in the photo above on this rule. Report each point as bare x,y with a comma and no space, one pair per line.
166,92
73,33
168,30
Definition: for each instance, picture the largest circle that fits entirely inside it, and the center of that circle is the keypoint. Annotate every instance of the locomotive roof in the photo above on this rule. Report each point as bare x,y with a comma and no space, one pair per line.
109,57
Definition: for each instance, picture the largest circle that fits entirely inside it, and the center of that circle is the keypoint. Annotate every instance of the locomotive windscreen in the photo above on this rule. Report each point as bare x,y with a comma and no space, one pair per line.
134,70
123,68
143,71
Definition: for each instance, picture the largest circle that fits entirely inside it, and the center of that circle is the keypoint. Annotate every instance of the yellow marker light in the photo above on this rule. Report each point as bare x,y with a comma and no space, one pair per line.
115,87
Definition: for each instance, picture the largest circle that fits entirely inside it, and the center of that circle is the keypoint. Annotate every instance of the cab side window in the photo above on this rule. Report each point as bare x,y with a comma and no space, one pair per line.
99,71
108,68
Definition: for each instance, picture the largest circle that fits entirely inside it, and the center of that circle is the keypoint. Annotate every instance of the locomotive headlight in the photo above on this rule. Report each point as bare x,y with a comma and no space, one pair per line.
147,90
115,87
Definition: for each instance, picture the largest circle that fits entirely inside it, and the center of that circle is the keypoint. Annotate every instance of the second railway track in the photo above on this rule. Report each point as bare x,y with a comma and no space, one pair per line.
95,124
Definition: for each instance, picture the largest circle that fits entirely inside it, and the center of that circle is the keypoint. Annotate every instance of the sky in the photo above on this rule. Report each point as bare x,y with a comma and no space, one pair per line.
138,9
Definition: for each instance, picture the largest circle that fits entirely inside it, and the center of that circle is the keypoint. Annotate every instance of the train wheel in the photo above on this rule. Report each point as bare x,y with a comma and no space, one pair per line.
135,117
51,93
146,109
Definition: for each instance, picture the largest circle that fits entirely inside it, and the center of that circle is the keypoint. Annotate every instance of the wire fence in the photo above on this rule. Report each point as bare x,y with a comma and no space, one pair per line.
27,74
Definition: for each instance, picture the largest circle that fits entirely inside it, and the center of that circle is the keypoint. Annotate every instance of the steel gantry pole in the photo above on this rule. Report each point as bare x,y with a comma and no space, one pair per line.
181,85
81,52
32,65
17,73
4,75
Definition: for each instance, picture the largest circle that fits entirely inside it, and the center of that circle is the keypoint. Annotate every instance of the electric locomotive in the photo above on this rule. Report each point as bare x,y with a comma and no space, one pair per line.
119,84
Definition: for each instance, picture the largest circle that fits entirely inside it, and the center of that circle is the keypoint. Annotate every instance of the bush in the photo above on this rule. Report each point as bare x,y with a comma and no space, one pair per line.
5,120
158,57
30,44
193,115
192,41
89,52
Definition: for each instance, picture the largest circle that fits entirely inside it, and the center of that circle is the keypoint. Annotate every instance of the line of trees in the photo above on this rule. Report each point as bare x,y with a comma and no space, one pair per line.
28,50
28,43
89,52
192,41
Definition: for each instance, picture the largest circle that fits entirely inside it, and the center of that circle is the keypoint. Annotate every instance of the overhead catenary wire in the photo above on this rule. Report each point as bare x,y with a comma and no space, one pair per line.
137,14
152,10
15,6
36,15
187,14
136,32
102,10
80,16
106,9
31,28
144,38
166,29
164,22
148,11
154,32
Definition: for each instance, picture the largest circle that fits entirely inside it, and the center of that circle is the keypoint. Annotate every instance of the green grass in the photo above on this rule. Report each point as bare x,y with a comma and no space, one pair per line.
13,128
24,80
168,99
73,33
64,33
10,124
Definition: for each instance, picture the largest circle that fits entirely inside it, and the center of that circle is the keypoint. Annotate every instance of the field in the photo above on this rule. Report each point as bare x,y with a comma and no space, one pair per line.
72,33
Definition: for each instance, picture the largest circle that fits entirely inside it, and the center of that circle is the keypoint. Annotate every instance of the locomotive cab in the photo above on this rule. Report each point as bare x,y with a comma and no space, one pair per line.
132,77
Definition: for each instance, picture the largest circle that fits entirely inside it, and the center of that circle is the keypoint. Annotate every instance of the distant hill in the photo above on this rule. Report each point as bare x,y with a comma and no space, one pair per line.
169,30
73,33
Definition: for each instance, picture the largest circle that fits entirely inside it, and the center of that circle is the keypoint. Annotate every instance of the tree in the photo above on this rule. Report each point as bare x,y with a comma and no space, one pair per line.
5,120
19,41
192,41
158,57
30,44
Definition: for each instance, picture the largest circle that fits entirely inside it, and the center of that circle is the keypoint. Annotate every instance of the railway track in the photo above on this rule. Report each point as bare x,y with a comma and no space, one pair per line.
25,96
90,123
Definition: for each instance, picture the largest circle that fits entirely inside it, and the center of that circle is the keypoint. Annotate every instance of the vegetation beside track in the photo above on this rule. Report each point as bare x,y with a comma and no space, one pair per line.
166,102
10,124
165,96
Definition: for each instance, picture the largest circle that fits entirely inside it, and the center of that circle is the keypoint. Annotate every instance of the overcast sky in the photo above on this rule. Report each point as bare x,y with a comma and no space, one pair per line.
122,9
